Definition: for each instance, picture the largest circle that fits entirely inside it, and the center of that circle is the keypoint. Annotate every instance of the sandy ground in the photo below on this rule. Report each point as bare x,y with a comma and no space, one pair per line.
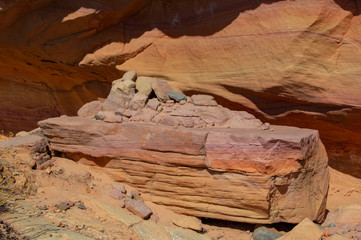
344,190
67,181
3,137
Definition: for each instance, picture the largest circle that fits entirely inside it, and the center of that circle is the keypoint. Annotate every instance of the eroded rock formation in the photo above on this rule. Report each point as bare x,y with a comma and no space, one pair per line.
287,62
257,176
197,157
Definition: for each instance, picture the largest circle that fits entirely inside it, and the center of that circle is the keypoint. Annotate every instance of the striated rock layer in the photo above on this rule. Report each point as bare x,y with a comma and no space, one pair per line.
245,175
288,62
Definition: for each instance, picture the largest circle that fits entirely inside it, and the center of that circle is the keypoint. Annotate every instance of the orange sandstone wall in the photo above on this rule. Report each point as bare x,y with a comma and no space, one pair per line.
288,62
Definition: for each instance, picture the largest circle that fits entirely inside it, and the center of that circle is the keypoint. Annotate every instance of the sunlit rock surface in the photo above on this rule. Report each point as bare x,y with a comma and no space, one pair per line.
287,62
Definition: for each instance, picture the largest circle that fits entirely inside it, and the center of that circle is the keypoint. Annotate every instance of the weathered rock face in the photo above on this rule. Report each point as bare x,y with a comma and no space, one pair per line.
348,214
290,62
247,175
306,230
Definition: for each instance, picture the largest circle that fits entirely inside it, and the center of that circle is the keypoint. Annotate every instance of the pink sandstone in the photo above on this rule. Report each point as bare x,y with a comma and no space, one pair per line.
245,175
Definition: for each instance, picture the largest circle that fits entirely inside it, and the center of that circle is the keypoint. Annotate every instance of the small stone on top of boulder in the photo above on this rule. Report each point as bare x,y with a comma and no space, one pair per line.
143,85
138,101
139,208
161,89
109,116
153,104
130,75
116,194
176,96
203,100
90,109
120,95
119,186
126,86
130,101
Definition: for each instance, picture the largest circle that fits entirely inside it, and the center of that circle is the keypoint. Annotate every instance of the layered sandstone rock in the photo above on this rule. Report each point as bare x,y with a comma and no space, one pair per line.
246,175
289,62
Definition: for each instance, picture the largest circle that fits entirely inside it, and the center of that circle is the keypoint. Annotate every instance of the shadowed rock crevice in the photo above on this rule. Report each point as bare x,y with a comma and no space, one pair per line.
277,100
352,6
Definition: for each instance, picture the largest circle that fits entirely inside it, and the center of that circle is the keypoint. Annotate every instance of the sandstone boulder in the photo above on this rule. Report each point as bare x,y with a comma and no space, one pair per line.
203,100
242,119
143,85
40,151
176,96
187,222
109,116
139,208
25,141
305,230
125,86
130,75
138,101
133,194
213,115
265,176
22,134
119,186
37,132
116,194
90,109
120,95
153,104
161,89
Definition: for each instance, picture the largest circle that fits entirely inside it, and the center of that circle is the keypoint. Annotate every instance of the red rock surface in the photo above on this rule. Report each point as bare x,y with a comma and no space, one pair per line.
263,176
289,62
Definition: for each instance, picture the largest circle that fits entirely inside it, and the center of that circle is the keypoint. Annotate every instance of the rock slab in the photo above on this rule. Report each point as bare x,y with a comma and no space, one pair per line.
139,208
259,183
305,230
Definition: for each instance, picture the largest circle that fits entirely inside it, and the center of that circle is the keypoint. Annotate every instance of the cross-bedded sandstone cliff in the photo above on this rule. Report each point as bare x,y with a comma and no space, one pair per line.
287,62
